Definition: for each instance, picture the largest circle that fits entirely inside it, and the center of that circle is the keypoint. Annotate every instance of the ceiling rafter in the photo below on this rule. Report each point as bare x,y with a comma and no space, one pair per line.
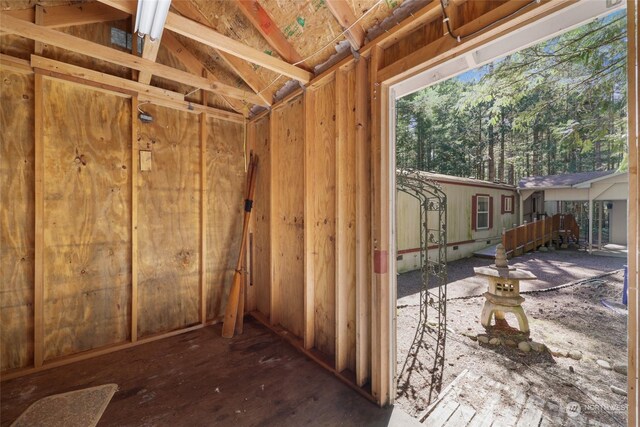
205,35
89,13
261,20
102,81
98,51
194,65
150,51
208,36
242,68
341,10
68,15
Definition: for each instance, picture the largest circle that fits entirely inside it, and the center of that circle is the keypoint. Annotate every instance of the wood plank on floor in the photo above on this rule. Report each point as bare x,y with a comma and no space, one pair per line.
461,416
485,416
442,412
531,414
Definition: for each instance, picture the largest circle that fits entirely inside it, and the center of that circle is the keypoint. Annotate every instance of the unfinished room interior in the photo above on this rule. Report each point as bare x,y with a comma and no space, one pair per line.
198,208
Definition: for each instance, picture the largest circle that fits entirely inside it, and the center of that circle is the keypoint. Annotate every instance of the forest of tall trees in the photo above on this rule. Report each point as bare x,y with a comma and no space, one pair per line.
556,107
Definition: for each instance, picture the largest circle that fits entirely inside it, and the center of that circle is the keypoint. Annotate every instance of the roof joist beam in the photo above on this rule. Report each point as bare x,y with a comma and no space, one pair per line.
207,36
341,10
144,92
194,66
98,51
242,68
69,15
150,52
262,22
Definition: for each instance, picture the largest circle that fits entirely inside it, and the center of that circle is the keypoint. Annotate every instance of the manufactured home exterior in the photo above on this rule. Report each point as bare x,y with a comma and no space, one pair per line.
477,212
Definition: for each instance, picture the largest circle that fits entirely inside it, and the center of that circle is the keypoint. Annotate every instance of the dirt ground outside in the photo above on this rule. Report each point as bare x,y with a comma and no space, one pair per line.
581,325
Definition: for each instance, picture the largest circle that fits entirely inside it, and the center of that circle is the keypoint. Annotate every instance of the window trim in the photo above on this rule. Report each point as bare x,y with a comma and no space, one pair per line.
504,209
478,212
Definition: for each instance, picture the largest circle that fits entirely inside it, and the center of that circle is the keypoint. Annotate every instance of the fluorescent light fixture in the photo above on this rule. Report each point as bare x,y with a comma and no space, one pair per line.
150,17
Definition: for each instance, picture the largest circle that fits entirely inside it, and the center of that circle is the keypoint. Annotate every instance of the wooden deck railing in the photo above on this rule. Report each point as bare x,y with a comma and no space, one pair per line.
558,229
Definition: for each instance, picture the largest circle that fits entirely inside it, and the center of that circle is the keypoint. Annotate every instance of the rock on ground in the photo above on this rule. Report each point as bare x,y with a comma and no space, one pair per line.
621,369
524,346
618,390
575,354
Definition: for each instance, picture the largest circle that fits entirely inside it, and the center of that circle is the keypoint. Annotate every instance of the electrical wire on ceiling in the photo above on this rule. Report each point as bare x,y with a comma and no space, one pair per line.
346,30
190,107
192,92
331,42
459,38
142,103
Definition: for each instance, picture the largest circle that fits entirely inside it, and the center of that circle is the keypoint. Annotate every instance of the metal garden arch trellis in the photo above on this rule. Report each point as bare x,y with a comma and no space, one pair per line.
431,331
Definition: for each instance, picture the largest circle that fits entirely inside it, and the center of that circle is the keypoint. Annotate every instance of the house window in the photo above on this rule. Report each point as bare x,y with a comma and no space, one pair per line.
507,204
482,213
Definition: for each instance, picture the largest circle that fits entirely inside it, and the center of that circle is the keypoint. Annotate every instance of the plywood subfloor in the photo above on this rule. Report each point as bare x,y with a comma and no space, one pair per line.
199,378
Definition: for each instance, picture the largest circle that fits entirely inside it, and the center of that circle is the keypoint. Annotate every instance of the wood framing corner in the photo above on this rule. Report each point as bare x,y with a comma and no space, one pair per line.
341,10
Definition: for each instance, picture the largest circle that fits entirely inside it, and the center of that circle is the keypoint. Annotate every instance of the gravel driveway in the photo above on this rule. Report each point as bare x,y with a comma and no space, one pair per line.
551,268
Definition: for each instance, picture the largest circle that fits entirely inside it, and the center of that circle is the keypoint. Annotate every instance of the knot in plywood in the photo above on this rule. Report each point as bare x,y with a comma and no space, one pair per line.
184,258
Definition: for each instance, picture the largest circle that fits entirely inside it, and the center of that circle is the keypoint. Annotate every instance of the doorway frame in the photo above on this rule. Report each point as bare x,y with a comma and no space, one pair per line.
391,82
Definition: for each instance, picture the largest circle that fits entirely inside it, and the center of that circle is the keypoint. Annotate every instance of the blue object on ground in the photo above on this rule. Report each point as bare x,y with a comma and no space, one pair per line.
625,287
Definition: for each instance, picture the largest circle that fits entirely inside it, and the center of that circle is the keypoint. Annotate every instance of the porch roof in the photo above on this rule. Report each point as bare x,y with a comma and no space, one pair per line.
566,180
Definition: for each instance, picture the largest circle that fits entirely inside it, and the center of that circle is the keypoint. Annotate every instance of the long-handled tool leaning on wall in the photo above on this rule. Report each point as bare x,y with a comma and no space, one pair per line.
235,303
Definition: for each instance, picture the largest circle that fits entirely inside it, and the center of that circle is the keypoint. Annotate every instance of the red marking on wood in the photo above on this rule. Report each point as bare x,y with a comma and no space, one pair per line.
265,21
380,262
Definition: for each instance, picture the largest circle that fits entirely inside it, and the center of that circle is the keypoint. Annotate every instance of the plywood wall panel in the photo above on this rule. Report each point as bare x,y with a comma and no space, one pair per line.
287,215
169,222
87,208
225,182
17,232
261,276
322,215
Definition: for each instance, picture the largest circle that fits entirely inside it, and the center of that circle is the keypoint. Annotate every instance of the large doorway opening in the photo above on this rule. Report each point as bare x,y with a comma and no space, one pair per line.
408,356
